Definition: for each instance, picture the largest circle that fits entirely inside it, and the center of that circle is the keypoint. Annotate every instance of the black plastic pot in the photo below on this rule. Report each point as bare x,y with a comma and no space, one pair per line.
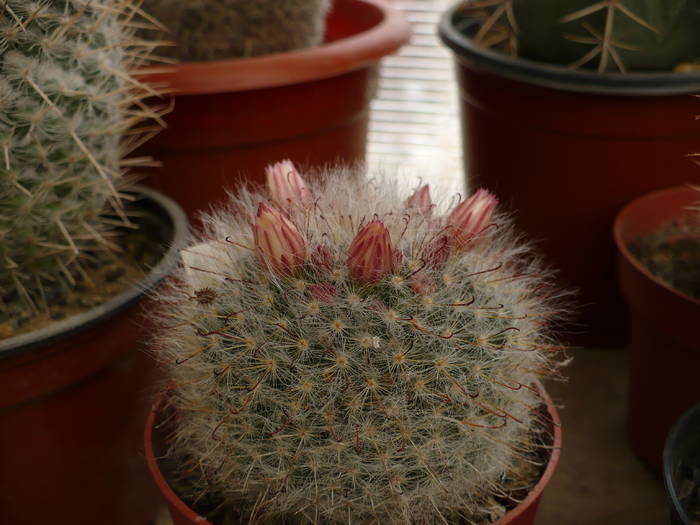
682,465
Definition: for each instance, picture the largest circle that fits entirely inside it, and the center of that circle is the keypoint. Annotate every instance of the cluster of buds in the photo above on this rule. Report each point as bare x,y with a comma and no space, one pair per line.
343,351
371,255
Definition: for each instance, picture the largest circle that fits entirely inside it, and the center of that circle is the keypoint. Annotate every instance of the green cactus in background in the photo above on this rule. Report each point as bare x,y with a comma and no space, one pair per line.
219,29
356,358
66,100
608,35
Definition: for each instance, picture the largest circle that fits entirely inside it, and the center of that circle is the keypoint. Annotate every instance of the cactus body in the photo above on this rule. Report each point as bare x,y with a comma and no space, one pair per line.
218,29
620,35
65,94
323,397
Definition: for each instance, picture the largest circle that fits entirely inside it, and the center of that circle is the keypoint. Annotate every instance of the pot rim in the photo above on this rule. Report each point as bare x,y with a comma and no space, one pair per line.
559,77
668,455
533,495
536,491
622,243
25,343
268,71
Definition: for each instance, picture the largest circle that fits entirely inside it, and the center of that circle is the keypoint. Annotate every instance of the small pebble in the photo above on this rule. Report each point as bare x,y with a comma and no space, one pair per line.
6,330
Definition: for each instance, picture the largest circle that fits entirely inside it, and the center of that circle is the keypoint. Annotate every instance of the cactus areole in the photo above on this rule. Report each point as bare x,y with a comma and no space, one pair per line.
322,360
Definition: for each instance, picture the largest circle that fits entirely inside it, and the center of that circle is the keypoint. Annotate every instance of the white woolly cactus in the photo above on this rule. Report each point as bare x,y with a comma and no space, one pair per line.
219,29
338,354
66,100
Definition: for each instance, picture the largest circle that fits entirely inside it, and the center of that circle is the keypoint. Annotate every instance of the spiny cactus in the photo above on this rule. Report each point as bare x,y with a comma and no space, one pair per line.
608,35
66,99
218,29
342,356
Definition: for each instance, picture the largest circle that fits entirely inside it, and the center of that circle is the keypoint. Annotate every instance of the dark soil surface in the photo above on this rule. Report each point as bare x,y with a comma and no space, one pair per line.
673,255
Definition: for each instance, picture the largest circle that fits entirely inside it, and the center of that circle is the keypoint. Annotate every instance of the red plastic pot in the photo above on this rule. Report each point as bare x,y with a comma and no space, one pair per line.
232,118
73,400
523,514
664,347
567,149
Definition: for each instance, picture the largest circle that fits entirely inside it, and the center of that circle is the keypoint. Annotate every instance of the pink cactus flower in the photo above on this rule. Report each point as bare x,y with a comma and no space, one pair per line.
323,292
287,187
471,217
420,200
278,243
322,259
370,256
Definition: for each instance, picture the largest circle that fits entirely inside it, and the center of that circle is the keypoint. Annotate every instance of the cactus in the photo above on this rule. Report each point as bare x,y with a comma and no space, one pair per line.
219,29
66,98
355,358
640,35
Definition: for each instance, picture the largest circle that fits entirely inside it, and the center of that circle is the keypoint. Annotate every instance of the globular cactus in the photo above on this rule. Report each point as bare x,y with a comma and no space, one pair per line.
218,29
339,355
616,35
66,99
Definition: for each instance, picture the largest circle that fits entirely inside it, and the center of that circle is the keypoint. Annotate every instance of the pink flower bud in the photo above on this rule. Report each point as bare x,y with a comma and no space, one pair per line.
323,292
423,284
471,217
370,256
322,259
286,186
278,244
420,200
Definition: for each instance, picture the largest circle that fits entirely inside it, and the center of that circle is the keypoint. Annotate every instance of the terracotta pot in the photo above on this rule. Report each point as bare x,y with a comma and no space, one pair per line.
523,514
567,149
73,399
664,348
681,459
232,118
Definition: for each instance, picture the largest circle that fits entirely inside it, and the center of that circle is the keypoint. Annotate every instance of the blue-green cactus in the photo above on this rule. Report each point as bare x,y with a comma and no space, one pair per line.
614,35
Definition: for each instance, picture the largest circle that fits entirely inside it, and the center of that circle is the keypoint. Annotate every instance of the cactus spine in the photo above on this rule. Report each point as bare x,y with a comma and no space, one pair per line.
345,386
611,35
66,99
218,29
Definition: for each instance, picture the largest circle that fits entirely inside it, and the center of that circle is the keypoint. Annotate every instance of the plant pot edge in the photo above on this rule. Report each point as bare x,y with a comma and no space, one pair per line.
622,243
668,456
532,498
63,329
559,77
318,62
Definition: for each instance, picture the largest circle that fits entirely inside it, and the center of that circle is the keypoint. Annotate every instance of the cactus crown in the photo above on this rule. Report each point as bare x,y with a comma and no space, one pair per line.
360,365
66,99
218,29
619,35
